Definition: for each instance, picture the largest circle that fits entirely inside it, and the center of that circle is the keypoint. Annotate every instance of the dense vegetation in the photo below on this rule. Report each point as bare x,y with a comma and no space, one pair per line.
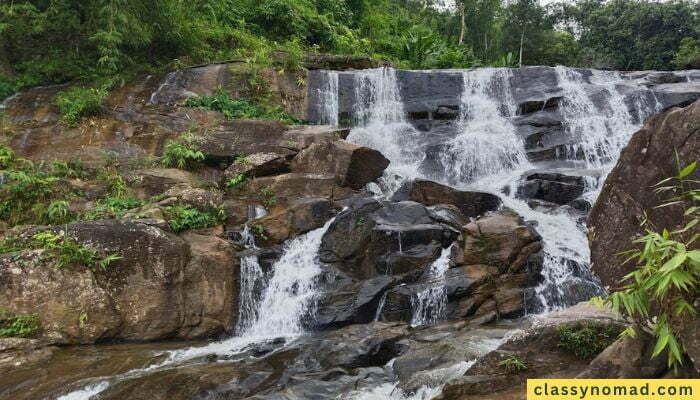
105,41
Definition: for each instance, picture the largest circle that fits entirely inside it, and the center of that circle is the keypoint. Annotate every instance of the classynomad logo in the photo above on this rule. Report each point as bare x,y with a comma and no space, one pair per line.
613,389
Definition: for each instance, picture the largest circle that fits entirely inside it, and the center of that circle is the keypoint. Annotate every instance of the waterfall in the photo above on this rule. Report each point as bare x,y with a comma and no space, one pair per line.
430,304
599,112
328,98
487,144
287,302
377,97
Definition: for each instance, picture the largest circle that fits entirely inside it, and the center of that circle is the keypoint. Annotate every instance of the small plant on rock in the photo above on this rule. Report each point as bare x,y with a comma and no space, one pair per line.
185,217
513,364
58,212
18,325
183,153
236,181
112,207
68,252
586,340
77,103
267,196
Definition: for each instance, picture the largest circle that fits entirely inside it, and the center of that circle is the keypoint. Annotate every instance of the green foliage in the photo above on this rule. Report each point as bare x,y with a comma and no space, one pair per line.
77,103
8,87
235,108
185,217
67,252
7,156
70,169
660,292
267,196
183,153
236,181
586,340
688,51
23,326
513,364
58,212
27,190
112,207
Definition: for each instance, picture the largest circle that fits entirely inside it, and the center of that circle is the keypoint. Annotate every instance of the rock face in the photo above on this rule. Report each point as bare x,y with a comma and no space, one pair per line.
162,287
354,166
470,204
628,191
539,350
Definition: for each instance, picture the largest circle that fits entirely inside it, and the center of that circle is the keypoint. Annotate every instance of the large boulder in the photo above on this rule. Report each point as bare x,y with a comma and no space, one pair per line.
553,187
470,204
376,237
354,166
163,286
627,197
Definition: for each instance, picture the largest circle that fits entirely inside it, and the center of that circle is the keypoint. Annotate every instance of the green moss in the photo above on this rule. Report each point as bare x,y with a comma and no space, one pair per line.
240,108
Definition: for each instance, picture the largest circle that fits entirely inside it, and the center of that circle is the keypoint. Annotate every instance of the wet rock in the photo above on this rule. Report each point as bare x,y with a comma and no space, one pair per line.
664,77
552,187
626,198
300,216
354,166
537,349
353,303
470,204
364,239
162,287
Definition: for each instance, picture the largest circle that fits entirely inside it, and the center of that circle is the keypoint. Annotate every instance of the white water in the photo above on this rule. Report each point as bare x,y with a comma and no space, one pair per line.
430,305
288,300
488,155
328,97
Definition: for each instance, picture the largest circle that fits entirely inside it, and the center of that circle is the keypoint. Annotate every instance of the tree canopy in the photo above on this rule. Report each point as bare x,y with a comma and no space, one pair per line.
53,41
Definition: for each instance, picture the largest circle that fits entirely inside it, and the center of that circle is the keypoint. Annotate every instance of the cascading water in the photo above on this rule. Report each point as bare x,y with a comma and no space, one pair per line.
487,154
286,303
328,98
487,144
430,304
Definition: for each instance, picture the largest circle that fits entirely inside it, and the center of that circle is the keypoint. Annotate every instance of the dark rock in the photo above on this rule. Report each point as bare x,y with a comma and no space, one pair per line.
627,358
353,303
552,187
470,204
664,77
299,217
626,196
374,237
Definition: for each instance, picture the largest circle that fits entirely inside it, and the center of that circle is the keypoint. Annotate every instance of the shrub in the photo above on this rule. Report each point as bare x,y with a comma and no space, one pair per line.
668,270
112,207
18,325
8,87
586,340
513,364
182,153
7,156
78,102
70,169
185,217
688,50
58,212
67,252
238,108
267,196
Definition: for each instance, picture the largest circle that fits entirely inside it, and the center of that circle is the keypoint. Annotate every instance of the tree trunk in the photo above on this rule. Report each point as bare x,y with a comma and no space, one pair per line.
522,39
463,25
